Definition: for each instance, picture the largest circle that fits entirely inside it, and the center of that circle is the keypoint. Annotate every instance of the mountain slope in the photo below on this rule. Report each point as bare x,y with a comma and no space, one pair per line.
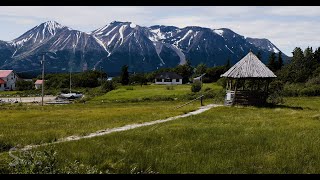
118,43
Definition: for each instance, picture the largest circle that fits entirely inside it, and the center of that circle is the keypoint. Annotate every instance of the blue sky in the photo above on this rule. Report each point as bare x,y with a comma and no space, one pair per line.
285,26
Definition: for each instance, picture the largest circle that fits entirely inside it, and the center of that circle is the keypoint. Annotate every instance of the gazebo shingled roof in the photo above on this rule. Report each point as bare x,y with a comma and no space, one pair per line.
249,67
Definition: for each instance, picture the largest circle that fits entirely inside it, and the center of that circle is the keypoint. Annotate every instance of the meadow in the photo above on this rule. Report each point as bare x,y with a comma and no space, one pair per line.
279,139
155,92
24,124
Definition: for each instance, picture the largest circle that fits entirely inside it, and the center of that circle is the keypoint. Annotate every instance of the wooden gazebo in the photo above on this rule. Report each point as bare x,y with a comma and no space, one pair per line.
247,82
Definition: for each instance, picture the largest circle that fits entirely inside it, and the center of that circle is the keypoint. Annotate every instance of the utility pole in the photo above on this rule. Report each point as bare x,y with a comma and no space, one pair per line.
42,62
101,74
70,81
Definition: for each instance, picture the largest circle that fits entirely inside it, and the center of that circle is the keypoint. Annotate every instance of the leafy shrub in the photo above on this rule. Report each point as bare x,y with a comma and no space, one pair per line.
310,91
313,81
222,82
196,86
292,89
108,86
24,85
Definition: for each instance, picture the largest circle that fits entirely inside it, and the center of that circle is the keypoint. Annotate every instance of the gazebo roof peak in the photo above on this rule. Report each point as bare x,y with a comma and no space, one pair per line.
249,67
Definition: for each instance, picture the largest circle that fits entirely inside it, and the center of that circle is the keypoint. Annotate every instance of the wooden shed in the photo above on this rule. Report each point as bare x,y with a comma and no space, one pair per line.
247,82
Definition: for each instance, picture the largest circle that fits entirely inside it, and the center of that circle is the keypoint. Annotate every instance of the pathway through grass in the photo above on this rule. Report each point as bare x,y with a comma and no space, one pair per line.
124,128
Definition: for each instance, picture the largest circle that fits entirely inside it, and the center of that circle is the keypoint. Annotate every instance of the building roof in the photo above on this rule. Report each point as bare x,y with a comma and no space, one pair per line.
39,82
249,67
5,73
168,75
2,81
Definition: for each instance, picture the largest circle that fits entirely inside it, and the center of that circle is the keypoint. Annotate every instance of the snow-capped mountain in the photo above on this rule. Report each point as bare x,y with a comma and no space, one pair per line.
119,43
263,44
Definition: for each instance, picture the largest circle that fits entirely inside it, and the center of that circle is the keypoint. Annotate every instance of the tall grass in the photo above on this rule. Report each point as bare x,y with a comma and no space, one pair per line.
283,139
31,124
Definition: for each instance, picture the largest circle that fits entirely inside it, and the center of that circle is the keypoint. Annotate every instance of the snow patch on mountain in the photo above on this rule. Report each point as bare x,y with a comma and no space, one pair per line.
218,31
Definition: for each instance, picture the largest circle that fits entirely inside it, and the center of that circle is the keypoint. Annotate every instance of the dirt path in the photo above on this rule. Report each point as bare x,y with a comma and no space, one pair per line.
124,128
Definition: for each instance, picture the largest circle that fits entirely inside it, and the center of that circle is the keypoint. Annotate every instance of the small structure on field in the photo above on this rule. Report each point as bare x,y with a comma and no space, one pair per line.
248,81
168,78
38,84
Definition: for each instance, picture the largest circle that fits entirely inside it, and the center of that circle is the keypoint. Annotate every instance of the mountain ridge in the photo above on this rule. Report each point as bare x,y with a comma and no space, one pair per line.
118,43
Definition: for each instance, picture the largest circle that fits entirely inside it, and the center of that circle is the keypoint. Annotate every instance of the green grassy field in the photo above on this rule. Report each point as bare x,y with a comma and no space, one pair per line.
152,92
283,139
23,125
31,124
8,93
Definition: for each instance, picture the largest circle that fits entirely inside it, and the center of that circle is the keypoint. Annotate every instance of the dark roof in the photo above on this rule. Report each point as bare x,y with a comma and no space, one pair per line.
168,75
249,67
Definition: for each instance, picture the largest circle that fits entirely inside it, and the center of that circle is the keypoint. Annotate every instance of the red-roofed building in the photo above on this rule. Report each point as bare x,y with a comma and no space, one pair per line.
38,84
8,80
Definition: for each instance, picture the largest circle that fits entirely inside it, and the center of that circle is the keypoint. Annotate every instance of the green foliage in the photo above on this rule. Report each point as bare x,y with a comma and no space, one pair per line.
108,86
280,61
88,79
200,69
185,70
222,82
272,65
214,73
313,81
276,92
124,77
24,85
196,86
228,65
138,78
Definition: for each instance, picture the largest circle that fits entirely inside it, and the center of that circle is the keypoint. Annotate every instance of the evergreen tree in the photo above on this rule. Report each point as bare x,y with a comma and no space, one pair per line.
201,69
297,68
228,65
259,56
185,70
280,61
124,77
272,65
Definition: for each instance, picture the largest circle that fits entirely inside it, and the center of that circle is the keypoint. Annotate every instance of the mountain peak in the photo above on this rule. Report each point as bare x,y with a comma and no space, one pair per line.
52,25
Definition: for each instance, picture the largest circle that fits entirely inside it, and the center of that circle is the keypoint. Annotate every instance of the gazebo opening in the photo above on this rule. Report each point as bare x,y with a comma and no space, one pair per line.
248,82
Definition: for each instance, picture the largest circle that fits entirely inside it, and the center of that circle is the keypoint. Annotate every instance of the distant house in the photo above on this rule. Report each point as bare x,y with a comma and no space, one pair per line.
8,79
38,84
168,78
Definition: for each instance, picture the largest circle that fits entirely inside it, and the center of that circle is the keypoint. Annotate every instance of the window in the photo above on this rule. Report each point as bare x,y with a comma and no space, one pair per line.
177,80
159,80
5,85
168,80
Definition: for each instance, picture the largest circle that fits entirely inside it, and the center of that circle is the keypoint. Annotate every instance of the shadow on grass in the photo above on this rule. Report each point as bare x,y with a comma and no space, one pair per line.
272,106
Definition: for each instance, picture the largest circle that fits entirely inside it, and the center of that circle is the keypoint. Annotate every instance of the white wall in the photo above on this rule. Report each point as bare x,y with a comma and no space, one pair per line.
174,81
11,80
37,86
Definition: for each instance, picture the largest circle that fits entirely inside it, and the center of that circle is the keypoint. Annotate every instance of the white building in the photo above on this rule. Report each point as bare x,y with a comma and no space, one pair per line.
168,78
8,80
38,84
